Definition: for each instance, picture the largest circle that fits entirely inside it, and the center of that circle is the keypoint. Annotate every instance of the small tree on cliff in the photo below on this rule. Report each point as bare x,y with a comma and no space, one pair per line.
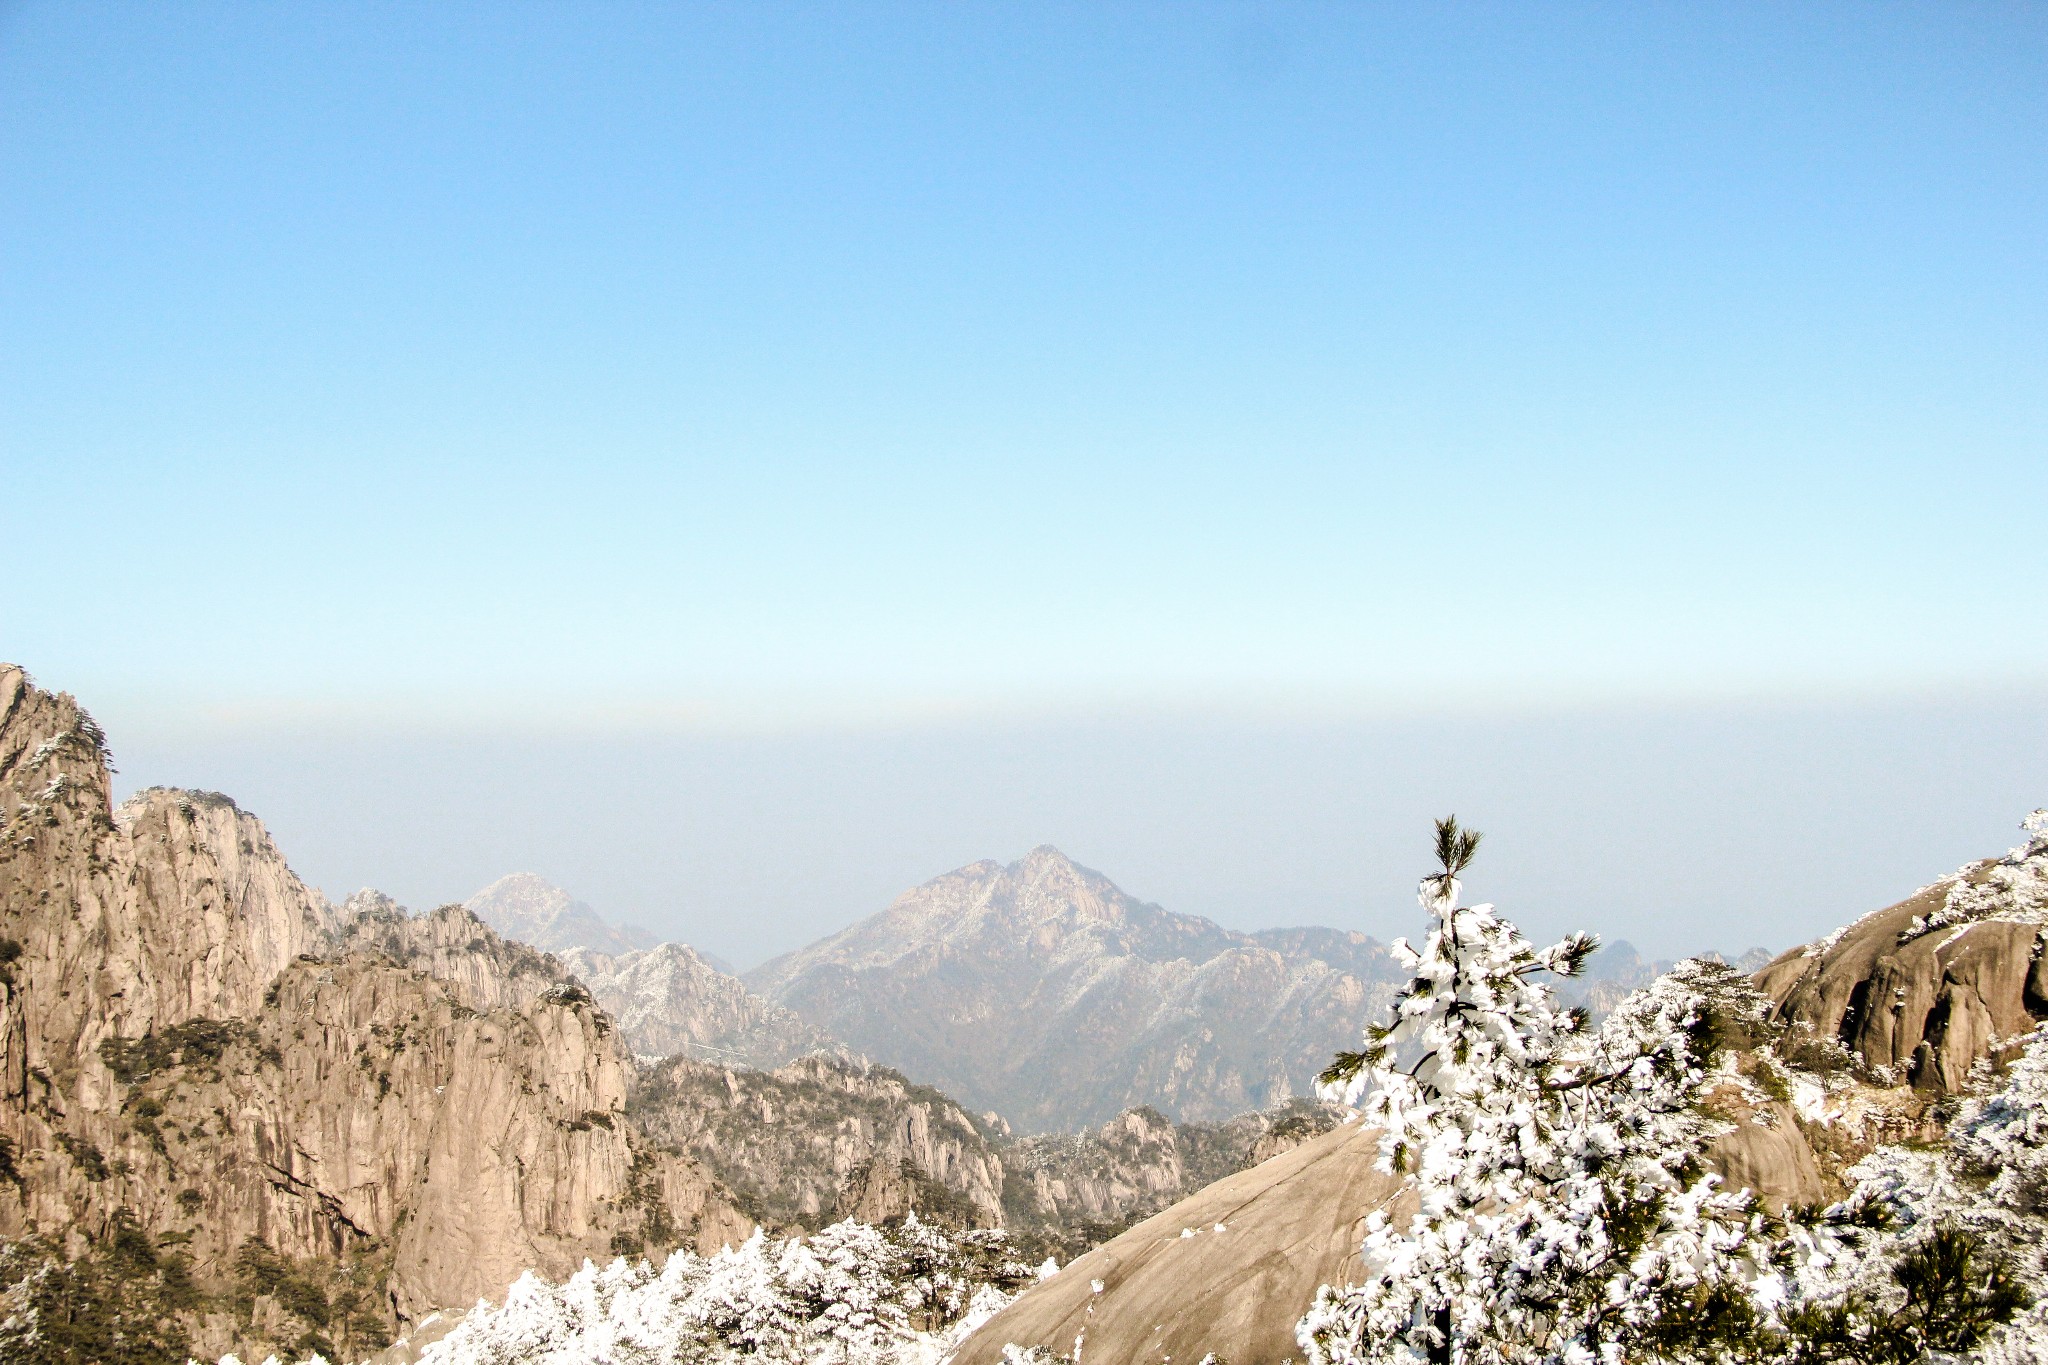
1564,1210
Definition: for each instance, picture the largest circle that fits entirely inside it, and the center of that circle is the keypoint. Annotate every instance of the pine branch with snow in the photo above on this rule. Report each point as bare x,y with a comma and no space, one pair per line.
1564,1212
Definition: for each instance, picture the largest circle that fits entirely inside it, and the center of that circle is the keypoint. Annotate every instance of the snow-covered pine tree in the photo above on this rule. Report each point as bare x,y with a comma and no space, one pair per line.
1564,1210
1952,1260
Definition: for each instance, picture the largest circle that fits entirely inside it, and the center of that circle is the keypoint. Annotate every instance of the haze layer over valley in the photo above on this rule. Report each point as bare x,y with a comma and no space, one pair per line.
310,1127
788,684
1037,992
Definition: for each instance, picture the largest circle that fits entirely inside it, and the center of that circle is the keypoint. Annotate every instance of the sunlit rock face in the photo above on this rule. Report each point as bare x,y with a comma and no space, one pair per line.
825,1138
190,1034
1042,991
1229,1270
1932,985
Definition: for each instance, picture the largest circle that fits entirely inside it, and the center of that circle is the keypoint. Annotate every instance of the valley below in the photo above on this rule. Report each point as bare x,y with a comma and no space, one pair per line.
1015,1108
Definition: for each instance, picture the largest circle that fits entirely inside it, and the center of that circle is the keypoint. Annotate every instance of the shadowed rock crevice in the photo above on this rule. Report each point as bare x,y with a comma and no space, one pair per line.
195,1045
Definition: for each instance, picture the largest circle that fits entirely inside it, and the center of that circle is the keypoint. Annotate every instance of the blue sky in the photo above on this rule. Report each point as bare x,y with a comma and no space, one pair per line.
763,370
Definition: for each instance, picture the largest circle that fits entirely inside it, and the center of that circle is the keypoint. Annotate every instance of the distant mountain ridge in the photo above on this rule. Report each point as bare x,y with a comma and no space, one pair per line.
989,981
527,907
1041,990
671,1000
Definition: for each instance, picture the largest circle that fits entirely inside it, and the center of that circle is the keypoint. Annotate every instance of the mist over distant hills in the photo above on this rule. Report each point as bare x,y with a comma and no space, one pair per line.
1041,990
1674,827
527,907
1036,990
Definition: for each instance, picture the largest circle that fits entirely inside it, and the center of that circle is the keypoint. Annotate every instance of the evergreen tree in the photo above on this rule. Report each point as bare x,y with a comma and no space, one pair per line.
1564,1213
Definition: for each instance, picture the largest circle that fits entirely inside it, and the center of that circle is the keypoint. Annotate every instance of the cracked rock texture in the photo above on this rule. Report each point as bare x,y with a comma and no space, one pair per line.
825,1138
1257,1245
1928,1008
830,1137
191,1034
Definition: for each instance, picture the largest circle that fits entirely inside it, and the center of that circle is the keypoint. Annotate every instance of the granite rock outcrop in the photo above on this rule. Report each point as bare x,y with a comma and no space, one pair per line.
196,1049
1925,989
824,1138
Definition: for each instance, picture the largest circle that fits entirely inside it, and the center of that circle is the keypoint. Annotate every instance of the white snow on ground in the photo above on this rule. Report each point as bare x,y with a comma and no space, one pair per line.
851,1295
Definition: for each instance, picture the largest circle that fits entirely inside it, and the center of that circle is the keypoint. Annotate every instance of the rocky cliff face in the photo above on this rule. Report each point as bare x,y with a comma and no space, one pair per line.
1064,1193
830,1137
529,908
452,946
1042,991
825,1138
199,1061
1926,988
669,1000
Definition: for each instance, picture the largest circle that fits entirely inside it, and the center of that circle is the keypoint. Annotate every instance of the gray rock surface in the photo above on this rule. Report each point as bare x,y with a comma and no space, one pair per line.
825,1138
1043,992
1228,1270
192,1038
1926,1006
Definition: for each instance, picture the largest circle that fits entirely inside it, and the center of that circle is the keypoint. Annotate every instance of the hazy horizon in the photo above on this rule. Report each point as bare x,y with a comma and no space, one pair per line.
741,462
1680,829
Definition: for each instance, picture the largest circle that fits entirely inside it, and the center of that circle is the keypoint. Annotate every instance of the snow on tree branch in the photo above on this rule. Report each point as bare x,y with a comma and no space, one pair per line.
1560,1200
852,1294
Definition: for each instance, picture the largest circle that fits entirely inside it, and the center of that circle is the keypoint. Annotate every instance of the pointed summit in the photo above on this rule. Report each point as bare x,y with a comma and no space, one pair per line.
528,907
1043,991
1045,855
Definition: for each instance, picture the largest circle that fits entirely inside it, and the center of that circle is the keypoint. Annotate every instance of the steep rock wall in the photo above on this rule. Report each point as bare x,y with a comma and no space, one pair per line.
185,1041
825,1138
454,946
1927,1005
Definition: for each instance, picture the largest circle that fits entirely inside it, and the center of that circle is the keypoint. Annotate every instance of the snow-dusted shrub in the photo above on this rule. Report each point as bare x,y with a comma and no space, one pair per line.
853,1294
2014,887
1955,1256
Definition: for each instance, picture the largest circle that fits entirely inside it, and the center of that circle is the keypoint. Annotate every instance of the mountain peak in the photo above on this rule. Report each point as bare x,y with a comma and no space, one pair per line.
526,889
996,980
1046,864
528,907
371,901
